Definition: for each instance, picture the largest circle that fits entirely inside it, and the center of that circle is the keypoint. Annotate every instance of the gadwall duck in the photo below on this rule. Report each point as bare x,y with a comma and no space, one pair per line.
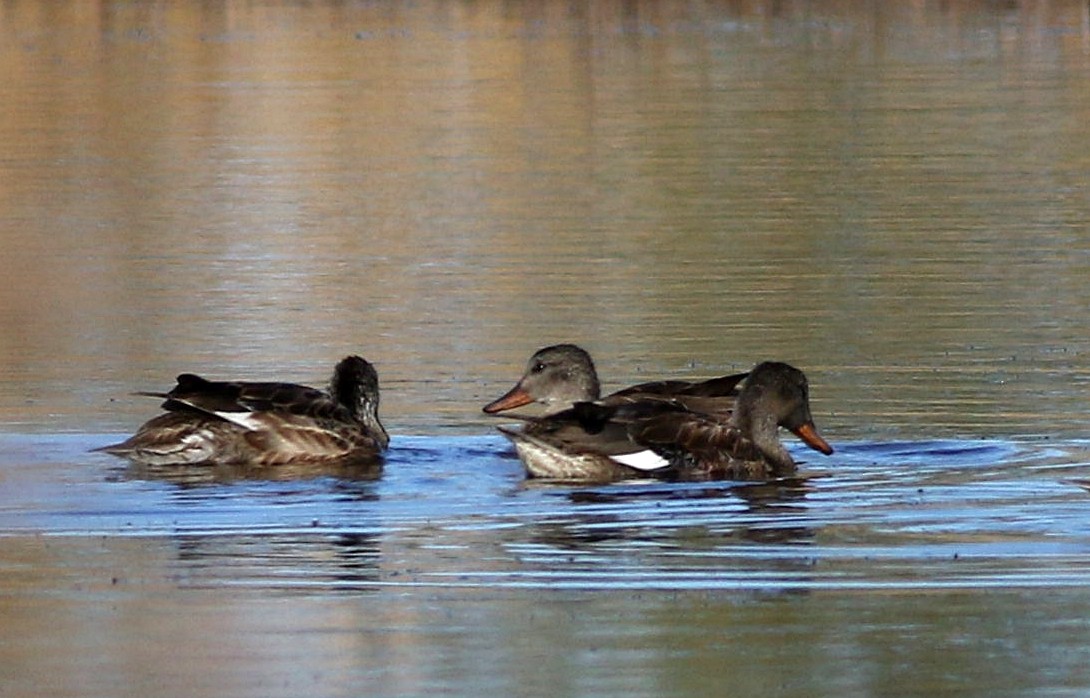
212,422
561,375
663,438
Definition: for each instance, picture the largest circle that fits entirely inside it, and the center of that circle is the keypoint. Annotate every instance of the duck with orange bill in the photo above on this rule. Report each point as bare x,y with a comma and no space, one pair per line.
659,437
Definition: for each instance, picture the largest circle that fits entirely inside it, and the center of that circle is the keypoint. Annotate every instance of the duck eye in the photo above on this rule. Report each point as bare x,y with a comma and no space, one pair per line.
538,367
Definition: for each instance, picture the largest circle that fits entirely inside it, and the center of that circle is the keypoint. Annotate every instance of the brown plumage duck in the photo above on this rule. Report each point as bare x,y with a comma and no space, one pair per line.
639,438
561,375
208,422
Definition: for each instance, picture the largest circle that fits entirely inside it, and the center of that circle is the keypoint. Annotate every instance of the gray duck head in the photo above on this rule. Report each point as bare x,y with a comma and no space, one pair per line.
556,376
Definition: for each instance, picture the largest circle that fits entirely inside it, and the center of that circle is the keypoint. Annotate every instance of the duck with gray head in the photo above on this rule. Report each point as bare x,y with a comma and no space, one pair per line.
561,375
264,424
642,438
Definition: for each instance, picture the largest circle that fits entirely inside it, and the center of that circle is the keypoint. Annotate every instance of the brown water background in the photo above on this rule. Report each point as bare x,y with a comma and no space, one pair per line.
892,196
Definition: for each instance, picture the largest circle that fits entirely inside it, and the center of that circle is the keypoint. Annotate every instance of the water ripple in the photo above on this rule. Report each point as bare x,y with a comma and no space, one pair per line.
457,512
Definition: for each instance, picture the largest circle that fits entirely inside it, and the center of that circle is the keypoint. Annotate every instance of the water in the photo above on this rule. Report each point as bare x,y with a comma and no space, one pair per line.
949,565
892,198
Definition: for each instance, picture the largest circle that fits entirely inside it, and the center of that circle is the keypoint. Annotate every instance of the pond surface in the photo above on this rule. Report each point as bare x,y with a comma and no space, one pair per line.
895,199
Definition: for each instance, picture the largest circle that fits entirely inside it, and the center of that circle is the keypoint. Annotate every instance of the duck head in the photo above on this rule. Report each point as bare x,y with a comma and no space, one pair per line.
355,385
777,395
556,377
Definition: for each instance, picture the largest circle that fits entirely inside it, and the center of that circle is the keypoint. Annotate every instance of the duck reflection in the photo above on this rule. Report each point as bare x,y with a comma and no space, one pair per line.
764,512
753,536
282,561
293,527
223,473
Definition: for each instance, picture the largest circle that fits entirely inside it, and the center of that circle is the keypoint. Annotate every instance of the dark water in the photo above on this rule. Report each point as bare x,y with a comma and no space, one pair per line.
893,197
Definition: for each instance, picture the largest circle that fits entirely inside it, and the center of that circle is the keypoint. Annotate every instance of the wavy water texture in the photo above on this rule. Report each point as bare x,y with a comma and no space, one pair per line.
457,512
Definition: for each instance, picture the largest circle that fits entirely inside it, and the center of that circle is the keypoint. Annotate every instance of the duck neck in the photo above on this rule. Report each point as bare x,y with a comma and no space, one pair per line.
362,402
574,389
367,414
763,431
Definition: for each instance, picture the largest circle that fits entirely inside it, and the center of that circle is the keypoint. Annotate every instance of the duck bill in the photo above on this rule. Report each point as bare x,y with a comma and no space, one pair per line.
808,433
515,397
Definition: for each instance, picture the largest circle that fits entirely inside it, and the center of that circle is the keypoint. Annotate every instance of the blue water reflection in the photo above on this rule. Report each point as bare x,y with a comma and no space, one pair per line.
457,512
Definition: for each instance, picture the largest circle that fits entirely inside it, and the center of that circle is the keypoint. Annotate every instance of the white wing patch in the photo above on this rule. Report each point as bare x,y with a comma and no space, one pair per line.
246,420
641,460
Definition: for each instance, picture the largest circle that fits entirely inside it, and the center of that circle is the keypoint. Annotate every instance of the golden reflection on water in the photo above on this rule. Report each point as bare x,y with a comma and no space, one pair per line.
893,198
891,195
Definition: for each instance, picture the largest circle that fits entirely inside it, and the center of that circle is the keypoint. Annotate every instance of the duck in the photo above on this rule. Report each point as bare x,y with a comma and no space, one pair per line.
607,441
562,375
209,422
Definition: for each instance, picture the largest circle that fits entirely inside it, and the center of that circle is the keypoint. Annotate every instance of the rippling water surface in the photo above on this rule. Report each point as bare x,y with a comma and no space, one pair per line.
449,569
893,198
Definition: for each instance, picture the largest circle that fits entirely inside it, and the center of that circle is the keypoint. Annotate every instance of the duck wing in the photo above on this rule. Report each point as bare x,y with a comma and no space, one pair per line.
706,448
174,438
723,386
279,437
604,430
715,396
191,437
701,436
242,402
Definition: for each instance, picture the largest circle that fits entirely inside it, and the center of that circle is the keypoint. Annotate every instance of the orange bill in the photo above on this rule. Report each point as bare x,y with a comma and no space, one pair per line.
515,397
808,433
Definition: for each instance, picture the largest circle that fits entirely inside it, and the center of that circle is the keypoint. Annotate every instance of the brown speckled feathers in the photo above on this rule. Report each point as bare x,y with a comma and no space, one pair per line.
263,423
